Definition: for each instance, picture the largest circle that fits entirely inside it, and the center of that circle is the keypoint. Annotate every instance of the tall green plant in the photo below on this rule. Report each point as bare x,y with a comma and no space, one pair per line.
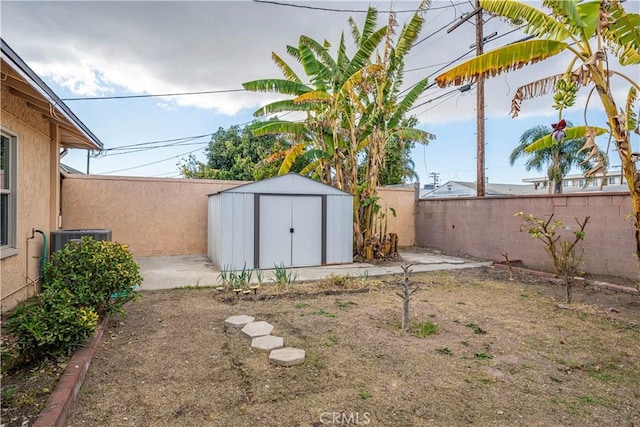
558,158
566,257
592,33
353,108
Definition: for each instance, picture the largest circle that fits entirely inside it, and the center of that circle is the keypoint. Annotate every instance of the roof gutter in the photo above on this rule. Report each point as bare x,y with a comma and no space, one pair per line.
29,75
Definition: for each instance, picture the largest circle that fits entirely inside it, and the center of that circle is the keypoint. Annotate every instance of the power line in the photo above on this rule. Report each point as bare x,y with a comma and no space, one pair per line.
177,140
206,92
328,9
137,150
151,163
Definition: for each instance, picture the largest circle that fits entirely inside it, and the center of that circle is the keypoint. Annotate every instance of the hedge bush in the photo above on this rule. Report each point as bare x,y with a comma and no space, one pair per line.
94,271
50,324
82,281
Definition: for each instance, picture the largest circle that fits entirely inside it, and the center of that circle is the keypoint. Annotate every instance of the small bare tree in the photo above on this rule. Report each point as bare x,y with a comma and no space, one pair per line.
564,254
406,295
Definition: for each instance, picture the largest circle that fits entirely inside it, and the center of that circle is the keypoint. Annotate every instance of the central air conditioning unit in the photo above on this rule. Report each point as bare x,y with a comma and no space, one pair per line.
60,238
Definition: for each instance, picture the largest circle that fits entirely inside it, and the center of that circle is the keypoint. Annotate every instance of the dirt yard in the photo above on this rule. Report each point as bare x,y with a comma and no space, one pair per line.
504,354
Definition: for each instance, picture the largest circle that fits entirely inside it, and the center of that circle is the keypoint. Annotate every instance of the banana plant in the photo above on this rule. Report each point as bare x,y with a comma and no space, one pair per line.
352,106
583,29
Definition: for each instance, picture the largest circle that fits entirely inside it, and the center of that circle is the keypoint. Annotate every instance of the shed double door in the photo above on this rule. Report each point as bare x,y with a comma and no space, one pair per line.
290,231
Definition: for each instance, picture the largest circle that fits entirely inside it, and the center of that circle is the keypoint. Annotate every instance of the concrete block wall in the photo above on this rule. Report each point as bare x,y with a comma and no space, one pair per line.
486,228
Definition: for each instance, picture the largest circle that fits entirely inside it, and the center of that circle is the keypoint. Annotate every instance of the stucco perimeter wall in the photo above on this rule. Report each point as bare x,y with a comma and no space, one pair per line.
403,201
154,216
18,271
486,228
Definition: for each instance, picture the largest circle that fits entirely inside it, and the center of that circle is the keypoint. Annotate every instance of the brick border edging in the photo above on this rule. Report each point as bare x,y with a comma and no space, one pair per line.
59,403
595,283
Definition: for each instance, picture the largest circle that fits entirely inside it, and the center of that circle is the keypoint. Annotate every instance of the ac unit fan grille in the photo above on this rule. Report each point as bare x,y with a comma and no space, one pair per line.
60,238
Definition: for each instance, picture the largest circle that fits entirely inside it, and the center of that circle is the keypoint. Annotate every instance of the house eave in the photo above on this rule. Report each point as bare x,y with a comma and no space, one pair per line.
23,82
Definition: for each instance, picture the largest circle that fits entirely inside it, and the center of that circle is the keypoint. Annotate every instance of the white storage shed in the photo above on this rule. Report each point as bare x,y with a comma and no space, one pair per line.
288,220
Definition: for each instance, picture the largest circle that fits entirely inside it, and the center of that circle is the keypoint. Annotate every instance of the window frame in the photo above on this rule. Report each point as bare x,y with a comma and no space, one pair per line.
11,174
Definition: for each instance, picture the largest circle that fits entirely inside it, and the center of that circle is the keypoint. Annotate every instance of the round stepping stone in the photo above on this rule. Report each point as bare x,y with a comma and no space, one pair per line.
257,329
238,321
267,342
287,356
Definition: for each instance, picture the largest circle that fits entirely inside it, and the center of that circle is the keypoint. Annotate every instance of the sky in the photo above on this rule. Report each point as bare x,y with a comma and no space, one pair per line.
88,49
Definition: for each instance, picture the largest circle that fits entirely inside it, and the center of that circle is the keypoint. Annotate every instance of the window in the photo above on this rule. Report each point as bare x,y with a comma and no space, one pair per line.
8,205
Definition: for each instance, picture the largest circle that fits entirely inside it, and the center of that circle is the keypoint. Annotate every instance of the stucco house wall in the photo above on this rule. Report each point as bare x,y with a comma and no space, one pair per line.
33,195
35,126
486,228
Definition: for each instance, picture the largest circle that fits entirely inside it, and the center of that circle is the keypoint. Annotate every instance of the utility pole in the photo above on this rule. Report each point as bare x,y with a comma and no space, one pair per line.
480,107
480,184
436,179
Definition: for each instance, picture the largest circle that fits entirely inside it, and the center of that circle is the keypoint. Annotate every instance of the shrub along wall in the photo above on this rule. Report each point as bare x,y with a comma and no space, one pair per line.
486,228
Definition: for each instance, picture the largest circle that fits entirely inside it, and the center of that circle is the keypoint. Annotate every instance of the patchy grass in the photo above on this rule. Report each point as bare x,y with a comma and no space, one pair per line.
535,365
423,329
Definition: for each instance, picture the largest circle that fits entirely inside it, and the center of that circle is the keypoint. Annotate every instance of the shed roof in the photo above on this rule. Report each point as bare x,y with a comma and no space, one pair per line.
23,82
291,183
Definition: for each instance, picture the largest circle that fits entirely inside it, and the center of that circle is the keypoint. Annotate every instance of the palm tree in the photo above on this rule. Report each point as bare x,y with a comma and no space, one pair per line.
582,29
558,159
353,110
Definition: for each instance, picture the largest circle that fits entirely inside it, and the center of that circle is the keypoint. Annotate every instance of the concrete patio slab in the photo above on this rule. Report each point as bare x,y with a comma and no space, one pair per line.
257,329
267,342
168,272
239,321
287,356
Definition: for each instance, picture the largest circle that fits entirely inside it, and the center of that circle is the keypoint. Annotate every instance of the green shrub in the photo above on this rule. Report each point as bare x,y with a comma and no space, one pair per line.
50,324
99,274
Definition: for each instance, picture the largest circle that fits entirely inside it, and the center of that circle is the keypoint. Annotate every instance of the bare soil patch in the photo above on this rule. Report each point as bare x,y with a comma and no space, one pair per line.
504,354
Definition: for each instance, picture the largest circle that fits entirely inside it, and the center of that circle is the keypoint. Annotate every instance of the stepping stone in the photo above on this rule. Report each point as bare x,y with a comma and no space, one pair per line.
257,329
287,356
238,321
267,342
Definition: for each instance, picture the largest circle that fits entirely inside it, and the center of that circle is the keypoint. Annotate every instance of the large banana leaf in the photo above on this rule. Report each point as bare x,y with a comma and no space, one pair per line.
322,53
363,55
623,34
317,96
278,126
367,28
571,133
279,106
342,60
504,59
536,21
632,119
411,30
407,102
413,134
566,8
311,66
286,87
287,71
290,158
590,13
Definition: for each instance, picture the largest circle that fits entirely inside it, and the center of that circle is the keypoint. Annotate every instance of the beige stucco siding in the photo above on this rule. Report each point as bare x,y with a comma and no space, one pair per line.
403,201
33,195
154,216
